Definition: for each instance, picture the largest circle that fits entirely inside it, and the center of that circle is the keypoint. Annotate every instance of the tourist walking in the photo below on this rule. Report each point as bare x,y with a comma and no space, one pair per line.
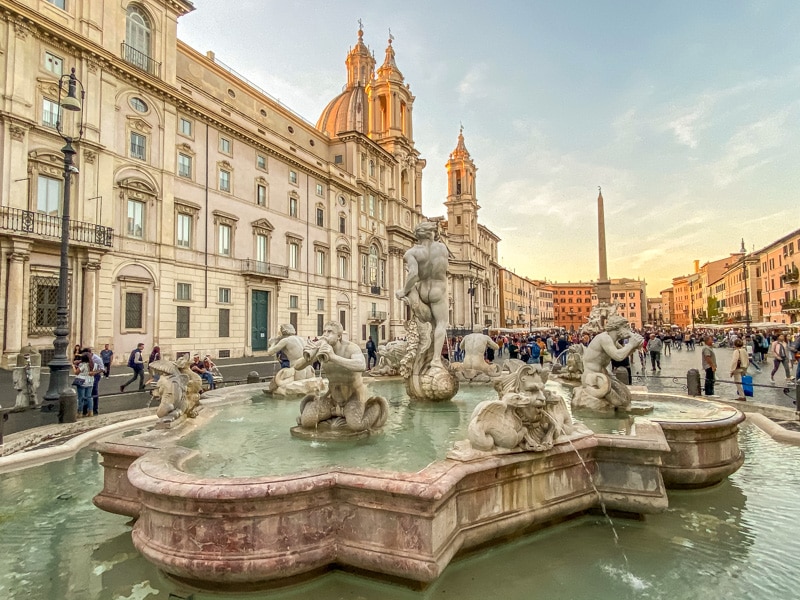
739,363
136,363
372,356
98,368
780,354
83,381
654,347
106,354
709,362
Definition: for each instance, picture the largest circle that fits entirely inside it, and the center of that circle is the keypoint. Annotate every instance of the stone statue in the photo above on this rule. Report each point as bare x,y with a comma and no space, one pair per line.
574,366
292,380
27,376
525,417
474,368
346,407
598,318
178,390
425,291
389,357
599,390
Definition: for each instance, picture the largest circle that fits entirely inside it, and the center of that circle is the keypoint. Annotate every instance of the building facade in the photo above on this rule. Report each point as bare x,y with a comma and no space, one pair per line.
572,303
780,277
205,213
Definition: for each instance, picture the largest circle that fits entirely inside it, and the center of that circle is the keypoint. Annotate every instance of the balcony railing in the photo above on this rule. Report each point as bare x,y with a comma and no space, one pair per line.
376,315
792,276
375,290
139,59
791,306
256,267
49,227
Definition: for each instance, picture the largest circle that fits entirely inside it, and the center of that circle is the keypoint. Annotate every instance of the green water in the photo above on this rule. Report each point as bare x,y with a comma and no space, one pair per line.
738,540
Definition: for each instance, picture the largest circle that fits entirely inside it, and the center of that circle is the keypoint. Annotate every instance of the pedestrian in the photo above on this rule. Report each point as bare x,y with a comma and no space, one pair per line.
372,356
98,368
709,362
106,354
136,363
83,381
155,355
198,367
654,347
780,354
739,364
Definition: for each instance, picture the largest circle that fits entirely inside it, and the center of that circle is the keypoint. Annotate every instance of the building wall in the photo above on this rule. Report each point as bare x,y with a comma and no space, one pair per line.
572,303
778,264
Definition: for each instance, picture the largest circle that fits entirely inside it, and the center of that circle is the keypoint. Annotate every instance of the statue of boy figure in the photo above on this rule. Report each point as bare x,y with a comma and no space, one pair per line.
475,345
292,346
27,376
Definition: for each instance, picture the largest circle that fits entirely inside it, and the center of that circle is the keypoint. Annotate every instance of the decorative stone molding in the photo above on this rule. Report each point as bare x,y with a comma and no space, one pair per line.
22,30
223,218
262,226
89,156
17,132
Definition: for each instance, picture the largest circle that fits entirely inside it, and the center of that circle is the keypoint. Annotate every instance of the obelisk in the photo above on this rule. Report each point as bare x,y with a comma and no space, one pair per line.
603,283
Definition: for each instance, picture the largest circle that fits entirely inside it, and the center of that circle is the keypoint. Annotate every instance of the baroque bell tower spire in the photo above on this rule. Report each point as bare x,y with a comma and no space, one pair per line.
462,203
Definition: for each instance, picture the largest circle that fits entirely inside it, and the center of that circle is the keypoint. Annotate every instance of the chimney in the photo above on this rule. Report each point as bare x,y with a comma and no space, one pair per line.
696,266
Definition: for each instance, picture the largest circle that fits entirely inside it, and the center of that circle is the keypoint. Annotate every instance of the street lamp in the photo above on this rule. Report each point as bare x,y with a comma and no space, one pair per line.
70,127
471,293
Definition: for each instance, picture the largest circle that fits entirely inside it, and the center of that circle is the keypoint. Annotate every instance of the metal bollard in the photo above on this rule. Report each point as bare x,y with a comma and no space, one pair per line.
253,377
693,382
621,373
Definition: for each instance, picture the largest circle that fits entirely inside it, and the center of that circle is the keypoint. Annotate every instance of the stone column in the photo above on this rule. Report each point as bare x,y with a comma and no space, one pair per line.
15,288
88,326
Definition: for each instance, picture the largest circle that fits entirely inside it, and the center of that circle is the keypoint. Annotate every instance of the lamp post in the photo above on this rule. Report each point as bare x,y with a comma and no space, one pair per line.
471,293
71,131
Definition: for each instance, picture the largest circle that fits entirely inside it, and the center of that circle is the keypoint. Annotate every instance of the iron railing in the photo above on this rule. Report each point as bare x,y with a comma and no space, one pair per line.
376,315
257,267
49,226
139,59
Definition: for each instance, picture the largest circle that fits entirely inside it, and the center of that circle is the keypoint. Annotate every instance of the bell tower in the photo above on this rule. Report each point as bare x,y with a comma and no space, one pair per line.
462,204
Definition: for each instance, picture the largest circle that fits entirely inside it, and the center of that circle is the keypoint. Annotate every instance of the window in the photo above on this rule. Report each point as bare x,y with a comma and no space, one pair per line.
224,180
135,223
183,291
294,301
138,104
261,162
344,270
48,196
43,305
182,324
320,303
320,323
184,166
293,177
320,260
458,220
224,295
293,206
372,168
338,159
59,3
137,34
261,194
371,205
320,217
294,255
319,189
183,236
342,224
224,322
134,303
185,126
224,240
224,145
262,252
49,113
54,64
380,209
293,320
138,146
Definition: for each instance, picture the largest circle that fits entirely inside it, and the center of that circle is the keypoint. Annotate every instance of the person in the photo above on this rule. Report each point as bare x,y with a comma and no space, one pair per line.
76,354
561,348
347,401
97,369
739,364
155,355
136,363
780,352
709,363
751,352
513,349
654,347
106,354
372,357
425,289
84,380
536,353
198,367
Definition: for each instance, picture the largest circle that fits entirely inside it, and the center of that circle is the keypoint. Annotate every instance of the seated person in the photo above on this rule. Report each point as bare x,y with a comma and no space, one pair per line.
198,367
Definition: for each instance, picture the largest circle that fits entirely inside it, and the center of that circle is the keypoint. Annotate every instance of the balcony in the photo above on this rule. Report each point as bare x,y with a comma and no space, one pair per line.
792,276
791,306
375,290
264,269
48,227
139,59
376,316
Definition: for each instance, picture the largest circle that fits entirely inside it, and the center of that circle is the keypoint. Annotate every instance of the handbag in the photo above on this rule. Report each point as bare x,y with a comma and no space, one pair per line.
84,380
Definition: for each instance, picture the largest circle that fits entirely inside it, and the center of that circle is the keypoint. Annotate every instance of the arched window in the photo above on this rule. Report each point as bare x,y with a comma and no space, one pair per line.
137,39
373,266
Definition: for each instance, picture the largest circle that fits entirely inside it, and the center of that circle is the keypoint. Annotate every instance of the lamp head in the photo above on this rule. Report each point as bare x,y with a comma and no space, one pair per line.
71,101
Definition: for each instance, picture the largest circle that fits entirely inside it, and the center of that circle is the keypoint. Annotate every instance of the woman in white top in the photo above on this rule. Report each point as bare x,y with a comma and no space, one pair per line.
780,352
739,363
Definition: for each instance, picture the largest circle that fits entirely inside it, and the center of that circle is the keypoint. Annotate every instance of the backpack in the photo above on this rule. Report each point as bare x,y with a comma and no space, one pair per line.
535,351
132,358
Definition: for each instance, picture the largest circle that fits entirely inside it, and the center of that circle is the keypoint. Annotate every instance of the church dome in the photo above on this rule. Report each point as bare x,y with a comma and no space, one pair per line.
347,112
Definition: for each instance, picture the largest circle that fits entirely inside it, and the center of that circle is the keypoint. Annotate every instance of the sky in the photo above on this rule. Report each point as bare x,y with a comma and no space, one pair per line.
685,113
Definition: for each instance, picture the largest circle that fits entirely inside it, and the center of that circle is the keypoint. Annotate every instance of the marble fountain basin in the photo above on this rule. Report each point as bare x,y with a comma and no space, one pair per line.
241,532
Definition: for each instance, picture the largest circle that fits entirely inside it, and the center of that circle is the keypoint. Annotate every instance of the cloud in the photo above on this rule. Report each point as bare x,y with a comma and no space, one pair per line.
473,84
